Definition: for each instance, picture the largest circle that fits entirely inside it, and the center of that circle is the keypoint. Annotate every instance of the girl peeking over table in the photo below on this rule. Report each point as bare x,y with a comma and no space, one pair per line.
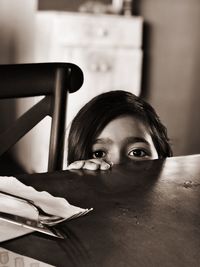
113,128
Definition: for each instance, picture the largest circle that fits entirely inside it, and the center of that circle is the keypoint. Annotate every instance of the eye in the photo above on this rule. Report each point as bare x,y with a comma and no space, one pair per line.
138,152
98,154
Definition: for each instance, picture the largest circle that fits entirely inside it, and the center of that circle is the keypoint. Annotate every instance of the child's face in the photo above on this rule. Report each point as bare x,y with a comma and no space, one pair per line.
124,138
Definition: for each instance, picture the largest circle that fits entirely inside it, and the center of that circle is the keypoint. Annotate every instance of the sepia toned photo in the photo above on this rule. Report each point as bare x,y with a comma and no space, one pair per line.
99,133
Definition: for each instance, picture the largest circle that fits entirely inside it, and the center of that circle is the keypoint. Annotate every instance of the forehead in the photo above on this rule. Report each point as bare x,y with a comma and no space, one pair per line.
124,126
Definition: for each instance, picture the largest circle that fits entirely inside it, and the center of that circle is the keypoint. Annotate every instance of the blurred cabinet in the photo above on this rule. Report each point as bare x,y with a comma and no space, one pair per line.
106,47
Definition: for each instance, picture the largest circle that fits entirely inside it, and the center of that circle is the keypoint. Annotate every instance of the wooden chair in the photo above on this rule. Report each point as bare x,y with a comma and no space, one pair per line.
54,81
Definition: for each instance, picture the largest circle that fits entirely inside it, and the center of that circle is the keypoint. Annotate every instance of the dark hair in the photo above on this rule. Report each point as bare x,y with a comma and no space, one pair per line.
97,113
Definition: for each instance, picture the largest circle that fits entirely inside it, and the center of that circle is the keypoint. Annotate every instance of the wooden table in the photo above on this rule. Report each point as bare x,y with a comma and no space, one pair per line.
145,214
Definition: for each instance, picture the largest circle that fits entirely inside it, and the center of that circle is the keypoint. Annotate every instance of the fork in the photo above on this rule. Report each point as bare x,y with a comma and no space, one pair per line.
43,217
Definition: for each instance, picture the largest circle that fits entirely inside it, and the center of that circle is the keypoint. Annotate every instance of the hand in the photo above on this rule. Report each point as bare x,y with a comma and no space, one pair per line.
90,164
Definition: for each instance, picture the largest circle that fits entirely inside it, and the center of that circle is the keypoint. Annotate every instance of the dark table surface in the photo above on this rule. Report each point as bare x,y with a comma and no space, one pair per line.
145,214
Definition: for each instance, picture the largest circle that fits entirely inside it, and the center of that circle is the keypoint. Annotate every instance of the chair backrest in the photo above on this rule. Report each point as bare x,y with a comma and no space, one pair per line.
54,81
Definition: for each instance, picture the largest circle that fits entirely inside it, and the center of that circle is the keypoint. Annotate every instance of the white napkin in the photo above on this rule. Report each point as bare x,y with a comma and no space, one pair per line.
11,259
50,204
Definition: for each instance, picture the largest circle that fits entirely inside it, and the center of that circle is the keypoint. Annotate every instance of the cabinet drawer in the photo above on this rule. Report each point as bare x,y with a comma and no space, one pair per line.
113,69
95,30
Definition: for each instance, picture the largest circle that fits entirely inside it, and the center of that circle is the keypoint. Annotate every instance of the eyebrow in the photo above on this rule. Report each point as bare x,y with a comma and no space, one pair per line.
103,141
131,139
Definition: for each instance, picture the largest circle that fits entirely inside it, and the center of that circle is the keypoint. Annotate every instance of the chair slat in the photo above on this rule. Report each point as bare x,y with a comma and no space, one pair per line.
59,111
24,123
